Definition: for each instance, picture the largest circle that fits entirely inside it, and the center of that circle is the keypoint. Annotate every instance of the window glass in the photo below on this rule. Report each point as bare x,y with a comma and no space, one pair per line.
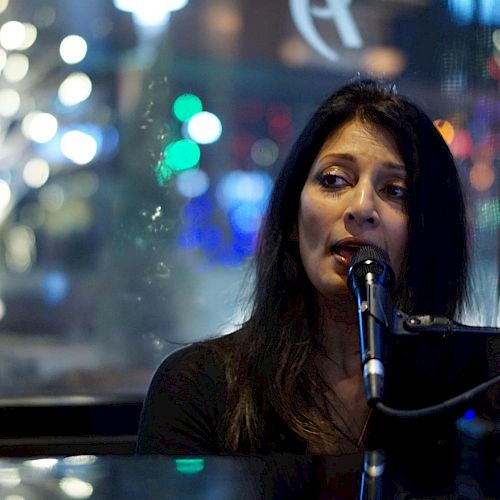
139,143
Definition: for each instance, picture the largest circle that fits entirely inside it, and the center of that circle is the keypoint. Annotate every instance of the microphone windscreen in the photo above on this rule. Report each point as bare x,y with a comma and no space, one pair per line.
370,259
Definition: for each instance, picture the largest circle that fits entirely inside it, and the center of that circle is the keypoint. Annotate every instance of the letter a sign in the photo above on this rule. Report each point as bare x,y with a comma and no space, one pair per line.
303,14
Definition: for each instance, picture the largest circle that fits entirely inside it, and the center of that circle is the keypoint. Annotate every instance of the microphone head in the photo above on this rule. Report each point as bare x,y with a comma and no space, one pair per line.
370,260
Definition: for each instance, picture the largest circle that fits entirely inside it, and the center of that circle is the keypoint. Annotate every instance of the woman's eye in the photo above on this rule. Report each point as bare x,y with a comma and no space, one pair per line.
396,191
332,181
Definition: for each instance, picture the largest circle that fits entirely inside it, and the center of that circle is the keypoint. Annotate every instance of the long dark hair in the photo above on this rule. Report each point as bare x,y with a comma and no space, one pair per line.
273,371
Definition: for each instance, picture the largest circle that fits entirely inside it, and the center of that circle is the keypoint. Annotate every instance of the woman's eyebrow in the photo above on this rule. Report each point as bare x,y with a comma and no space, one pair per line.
349,157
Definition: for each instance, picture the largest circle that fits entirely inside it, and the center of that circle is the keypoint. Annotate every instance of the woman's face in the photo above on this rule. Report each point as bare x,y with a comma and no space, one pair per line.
354,195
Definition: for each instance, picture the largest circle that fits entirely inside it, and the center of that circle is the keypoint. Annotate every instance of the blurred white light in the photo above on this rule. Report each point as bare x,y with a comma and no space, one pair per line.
9,477
39,127
3,59
51,197
5,195
20,248
264,152
14,497
75,89
12,35
36,172
30,35
10,102
151,14
79,147
80,460
204,128
192,183
76,488
42,463
3,5
73,49
16,67
137,5
3,309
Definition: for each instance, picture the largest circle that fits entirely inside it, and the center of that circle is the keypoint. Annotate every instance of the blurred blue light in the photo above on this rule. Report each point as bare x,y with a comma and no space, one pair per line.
192,183
239,187
246,218
489,12
244,244
230,258
198,209
188,239
462,10
210,238
55,288
470,415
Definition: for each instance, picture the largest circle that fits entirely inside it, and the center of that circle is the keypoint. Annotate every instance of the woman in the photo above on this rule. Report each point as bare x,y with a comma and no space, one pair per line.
369,167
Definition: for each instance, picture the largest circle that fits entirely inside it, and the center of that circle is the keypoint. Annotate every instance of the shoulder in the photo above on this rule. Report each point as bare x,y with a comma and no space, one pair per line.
202,362
184,406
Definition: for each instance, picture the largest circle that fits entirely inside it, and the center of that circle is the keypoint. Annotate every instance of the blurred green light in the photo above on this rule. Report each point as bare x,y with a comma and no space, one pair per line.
182,155
488,214
189,465
163,172
185,106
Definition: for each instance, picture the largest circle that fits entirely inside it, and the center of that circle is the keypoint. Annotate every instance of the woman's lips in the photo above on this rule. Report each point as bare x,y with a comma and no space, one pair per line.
343,254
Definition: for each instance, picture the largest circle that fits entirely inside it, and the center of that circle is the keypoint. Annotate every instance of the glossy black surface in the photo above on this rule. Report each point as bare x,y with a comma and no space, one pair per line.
468,475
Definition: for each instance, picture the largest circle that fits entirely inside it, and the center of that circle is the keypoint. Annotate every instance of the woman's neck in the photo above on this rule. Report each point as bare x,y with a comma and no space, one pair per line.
338,330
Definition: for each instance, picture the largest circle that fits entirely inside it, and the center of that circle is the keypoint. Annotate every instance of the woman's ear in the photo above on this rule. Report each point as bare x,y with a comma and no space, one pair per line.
294,233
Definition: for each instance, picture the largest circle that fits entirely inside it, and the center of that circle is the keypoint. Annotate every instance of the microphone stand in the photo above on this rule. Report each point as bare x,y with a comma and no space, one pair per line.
405,325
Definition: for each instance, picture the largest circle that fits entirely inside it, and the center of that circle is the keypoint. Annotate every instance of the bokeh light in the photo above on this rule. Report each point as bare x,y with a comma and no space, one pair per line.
493,68
204,128
189,465
446,129
75,89
79,147
481,176
74,487
10,102
223,19
192,183
52,197
5,195
137,5
182,155
3,58
461,145
39,127
385,62
73,49
246,217
264,152
185,106
239,187
30,36
16,67
294,51
36,172
20,248
12,35
496,38
488,214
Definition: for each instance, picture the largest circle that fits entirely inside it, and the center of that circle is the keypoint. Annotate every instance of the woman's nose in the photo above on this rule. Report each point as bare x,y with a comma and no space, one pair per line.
361,208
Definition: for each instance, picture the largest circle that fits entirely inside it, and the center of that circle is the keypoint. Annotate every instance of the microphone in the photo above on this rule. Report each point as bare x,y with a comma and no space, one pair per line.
370,279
